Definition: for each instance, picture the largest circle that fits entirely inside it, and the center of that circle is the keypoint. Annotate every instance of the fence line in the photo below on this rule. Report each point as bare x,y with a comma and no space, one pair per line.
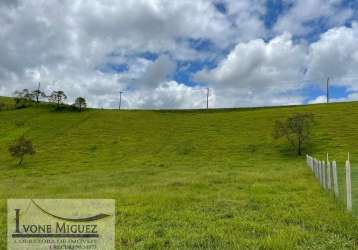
326,173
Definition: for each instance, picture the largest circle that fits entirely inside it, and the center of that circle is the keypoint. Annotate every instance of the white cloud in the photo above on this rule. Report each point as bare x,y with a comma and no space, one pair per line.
297,19
335,55
67,44
169,95
67,41
246,16
156,72
319,99
260,73
255,67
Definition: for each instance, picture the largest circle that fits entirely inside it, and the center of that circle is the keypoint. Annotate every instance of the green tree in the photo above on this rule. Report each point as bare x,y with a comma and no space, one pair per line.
80,103
57,97
296,129
37,94
20,148
23,98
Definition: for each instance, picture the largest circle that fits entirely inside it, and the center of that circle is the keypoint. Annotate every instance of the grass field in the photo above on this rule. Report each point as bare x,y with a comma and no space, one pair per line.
187,179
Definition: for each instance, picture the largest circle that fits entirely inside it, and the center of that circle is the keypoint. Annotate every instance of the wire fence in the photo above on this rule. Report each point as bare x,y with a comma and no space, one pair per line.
338,180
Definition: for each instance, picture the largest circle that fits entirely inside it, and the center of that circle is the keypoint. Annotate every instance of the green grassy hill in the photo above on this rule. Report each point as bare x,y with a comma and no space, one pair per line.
187,179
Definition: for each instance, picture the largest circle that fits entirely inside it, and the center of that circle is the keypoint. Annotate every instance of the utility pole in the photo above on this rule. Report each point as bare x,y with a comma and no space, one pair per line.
207,97
328,90
120,99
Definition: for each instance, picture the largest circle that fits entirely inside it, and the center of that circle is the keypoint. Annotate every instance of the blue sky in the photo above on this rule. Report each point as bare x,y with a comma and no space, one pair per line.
165,53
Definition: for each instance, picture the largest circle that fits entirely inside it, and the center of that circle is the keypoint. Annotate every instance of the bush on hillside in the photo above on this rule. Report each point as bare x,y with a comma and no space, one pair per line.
2,106
23,99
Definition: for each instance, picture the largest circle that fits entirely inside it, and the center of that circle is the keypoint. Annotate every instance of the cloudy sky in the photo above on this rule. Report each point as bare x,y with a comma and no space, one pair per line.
165,53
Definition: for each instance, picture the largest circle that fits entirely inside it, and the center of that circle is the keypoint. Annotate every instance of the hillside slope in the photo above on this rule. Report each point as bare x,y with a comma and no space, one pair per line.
187,179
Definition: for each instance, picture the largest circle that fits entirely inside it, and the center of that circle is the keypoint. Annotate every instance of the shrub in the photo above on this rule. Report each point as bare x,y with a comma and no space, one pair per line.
23,99
20,148
2,106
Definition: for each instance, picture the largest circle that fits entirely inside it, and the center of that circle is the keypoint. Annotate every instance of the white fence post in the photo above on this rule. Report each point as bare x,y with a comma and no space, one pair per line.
335,178
329,182
348,185
321,172
312,163
327,173
324,174
307,160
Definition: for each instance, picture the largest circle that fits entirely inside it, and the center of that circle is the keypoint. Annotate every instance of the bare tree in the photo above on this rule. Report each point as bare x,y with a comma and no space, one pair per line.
296,129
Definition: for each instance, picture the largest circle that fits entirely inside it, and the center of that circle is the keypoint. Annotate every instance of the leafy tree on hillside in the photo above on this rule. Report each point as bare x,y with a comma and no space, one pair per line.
57,97
37,94
20,148
23,98
296,129
80,103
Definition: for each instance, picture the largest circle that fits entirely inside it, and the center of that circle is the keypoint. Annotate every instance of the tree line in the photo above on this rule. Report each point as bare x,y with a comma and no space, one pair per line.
25,98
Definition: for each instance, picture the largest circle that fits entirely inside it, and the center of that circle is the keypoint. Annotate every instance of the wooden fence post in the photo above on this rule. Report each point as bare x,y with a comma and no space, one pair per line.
348,185
335,178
